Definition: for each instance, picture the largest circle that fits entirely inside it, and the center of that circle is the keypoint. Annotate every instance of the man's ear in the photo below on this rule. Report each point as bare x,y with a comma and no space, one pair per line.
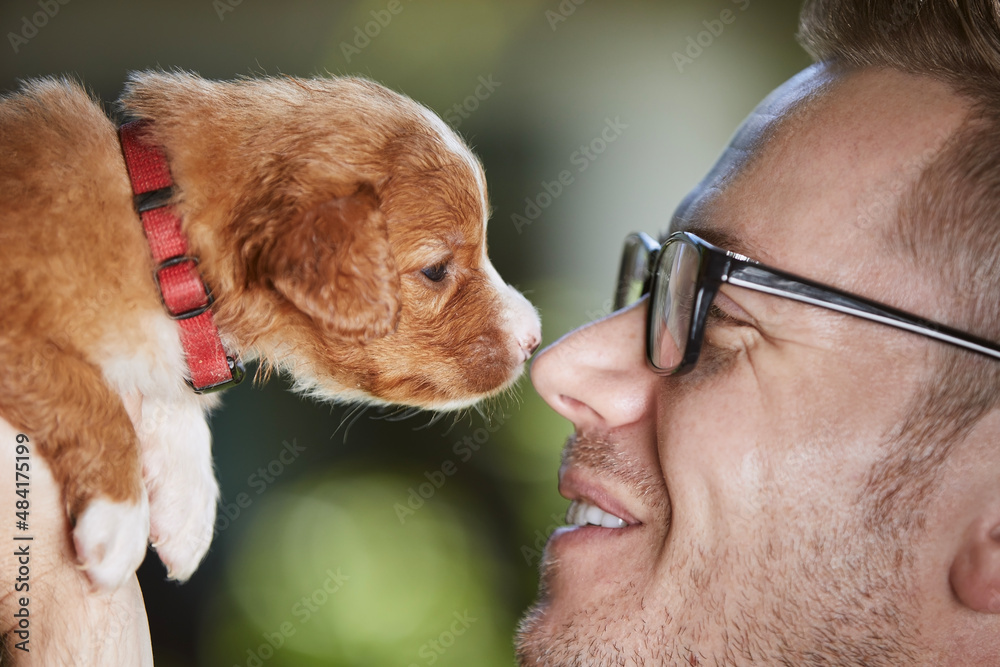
975,572
334,263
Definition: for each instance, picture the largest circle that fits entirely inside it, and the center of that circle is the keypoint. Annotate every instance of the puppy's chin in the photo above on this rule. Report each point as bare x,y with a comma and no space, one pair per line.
401,369
475,390
328,389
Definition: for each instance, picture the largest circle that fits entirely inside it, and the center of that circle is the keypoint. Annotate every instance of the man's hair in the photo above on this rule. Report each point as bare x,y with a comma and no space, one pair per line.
947,223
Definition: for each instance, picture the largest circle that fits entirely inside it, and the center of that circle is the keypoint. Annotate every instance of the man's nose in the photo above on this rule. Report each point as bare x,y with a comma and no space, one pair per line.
596,376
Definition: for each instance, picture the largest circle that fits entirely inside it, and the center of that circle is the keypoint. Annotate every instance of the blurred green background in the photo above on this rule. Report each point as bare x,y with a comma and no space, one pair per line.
347,542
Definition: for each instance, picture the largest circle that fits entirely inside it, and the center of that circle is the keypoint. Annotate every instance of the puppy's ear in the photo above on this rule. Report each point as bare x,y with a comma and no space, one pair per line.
335,264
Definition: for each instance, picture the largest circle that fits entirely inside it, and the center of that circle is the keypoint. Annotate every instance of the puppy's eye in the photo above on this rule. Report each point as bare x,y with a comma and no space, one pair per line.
437,272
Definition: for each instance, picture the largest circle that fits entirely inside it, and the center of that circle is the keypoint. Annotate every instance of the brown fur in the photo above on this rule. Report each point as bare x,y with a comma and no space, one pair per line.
313,206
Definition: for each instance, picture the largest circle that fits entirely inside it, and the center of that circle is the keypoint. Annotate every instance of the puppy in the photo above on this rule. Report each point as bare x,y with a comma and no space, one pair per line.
340,229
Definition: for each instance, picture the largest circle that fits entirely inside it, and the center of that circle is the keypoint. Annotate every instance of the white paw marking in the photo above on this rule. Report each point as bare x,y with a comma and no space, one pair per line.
110,540
183,524
183,493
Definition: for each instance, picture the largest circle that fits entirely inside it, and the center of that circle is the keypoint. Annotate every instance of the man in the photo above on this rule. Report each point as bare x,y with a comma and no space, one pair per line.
820,483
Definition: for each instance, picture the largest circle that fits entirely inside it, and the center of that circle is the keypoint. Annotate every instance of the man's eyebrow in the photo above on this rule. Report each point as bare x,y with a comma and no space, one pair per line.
718,237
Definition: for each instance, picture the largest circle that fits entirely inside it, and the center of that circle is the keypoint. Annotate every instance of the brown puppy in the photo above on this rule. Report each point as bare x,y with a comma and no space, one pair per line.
341,229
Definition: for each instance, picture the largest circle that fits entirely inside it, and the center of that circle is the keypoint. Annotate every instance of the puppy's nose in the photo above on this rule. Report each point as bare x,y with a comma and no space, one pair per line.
530,342
525,326
527,329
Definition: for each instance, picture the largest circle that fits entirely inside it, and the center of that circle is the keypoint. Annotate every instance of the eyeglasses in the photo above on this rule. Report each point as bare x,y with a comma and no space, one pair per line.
684,274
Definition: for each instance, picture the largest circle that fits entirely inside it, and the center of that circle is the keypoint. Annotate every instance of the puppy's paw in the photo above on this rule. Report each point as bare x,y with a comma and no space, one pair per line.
183,521
177,473
110,540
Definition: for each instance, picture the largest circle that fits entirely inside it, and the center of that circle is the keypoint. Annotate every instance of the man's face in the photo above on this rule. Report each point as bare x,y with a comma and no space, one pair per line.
755,535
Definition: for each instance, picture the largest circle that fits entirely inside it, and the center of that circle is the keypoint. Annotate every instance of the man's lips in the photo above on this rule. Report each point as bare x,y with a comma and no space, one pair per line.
592,503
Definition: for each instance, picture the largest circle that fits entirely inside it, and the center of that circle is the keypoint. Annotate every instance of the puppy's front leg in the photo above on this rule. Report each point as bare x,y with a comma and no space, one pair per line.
177,470
81,428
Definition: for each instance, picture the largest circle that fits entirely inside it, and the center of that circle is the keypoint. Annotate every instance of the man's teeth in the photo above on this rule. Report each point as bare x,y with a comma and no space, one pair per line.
585,514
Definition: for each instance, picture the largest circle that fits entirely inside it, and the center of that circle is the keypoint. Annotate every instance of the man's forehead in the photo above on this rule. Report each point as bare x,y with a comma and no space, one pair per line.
782,106
793,186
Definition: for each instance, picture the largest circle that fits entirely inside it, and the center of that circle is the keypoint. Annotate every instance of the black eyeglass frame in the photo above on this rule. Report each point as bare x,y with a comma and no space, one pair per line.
717,266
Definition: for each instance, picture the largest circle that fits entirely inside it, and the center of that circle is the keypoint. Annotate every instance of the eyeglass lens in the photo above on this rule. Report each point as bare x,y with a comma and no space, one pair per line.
675,285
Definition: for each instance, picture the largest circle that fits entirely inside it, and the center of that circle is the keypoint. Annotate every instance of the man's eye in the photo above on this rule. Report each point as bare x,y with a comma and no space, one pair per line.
437,272
717,315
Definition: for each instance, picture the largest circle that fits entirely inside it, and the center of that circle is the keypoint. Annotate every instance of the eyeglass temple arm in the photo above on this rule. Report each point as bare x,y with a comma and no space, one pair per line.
771,281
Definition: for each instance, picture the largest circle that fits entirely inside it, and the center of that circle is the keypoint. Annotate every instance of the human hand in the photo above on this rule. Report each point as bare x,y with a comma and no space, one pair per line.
67,622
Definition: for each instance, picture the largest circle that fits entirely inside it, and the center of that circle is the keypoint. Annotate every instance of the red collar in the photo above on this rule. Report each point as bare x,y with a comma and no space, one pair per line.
184,294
